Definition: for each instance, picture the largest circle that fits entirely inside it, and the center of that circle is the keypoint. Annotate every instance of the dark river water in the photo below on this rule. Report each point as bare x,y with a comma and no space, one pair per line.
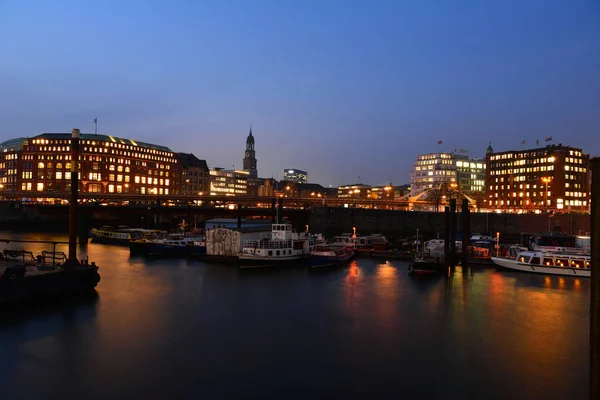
177,329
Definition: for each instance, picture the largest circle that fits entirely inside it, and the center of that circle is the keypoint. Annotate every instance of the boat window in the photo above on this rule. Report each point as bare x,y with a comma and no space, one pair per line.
535,260
562,262
587,263
270,252
289,252
549,261
577,263
277,253
524,259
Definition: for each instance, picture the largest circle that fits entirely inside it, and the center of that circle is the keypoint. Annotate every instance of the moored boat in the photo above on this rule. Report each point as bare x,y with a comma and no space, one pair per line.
120,235
425,266
327,255
547,263
281,247
176,245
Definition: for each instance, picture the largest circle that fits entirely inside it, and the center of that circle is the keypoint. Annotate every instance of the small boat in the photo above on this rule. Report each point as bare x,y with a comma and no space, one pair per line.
425,266
176,245
327,255
549,263
119,235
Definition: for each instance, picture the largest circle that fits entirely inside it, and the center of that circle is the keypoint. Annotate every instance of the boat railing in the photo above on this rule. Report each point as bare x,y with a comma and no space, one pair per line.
56,257
268,244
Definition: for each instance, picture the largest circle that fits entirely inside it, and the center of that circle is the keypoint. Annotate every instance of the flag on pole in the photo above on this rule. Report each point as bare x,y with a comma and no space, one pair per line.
95,120
537,142
549,138
439,142
523,142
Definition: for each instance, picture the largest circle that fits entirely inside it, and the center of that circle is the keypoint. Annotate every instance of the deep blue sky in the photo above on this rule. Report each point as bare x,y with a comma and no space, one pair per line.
338,88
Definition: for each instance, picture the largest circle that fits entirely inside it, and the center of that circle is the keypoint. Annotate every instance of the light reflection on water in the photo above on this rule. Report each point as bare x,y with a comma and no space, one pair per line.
172,328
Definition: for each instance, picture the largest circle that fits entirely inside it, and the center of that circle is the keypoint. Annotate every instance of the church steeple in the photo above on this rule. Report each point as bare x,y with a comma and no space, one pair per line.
249,161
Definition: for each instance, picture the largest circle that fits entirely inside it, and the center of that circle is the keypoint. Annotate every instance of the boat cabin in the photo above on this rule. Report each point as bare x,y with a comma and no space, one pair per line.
554,260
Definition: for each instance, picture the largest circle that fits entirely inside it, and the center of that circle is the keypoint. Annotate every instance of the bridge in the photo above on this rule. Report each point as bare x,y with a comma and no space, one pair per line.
403,203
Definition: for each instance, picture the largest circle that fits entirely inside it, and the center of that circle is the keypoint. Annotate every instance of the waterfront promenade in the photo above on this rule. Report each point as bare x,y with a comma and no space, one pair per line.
179,329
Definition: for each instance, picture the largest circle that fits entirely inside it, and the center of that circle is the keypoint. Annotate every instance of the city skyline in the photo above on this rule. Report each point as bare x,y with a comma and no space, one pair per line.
338,91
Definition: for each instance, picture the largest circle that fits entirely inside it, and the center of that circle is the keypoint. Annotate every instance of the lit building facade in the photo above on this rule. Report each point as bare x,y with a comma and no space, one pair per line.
193,175
107,164
552,178
357,191
471,176
386,192
434,170
228,182
295,175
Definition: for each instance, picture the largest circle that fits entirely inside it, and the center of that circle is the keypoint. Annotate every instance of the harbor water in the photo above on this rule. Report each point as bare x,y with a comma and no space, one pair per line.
181,329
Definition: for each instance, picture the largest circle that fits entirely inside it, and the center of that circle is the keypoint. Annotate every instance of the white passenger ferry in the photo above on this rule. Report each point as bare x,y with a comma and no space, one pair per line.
282,246
547,263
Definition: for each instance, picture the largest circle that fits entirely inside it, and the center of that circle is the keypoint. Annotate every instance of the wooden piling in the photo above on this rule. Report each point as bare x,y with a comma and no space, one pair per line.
466,230
73,217
447,236
280,219
452,243
595,284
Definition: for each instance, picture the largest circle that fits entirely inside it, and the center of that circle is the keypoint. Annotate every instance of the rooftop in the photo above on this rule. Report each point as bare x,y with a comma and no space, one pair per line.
103,138
189,160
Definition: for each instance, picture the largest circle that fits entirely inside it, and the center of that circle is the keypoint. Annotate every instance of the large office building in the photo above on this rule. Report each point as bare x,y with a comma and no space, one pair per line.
434,170
39,166
193,175
295,175
356,191
471,176
228,182
551,178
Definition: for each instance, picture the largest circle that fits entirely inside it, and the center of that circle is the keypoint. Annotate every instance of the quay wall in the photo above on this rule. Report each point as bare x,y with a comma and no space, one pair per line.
327,220
333,221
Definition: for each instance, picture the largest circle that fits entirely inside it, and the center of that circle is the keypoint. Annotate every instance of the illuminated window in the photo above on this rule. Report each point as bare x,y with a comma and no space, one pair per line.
41,165
40,187
111,188
59,175
137,179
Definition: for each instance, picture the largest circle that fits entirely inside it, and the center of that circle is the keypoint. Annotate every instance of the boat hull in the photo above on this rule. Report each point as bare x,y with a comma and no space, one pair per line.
424,267
253,262
539,269
159,249
323,261
105,240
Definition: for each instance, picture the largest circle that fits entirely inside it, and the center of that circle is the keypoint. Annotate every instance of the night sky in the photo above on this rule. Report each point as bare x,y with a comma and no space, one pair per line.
338,88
